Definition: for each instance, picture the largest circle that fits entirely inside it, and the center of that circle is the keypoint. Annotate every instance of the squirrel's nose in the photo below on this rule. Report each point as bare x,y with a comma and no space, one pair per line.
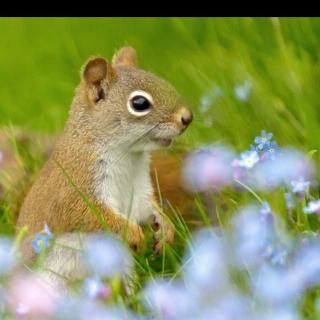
184,116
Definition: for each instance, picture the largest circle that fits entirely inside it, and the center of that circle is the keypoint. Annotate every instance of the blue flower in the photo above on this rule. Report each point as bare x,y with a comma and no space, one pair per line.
265,209
271,150
7,255
40,242
169,300
289,200
207,100
243,91
94,288
312,207
105,256
300,186
42,239
253,148
263,141
248,159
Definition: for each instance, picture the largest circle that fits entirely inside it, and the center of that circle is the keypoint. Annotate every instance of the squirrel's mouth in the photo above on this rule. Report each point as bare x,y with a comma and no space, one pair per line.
165,142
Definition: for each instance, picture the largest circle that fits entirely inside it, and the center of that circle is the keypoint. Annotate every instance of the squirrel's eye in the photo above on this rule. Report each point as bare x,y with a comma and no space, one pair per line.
139,103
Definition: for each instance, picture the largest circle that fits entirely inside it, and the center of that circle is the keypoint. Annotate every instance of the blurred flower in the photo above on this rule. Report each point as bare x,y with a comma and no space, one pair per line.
243,91
265,209
47,231
42,239
168,300
1,158
271,151
253,148
266,285
280,313
208,168
72,307
307,264
248,159
251,237
276,255
266,213
30,296
264,140
289,200
209,98
8,257
94,288
232,305
105,256
300,186
288,166
312,207
205,263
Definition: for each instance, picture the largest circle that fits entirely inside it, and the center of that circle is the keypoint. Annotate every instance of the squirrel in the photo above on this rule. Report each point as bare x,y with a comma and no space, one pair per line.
99,167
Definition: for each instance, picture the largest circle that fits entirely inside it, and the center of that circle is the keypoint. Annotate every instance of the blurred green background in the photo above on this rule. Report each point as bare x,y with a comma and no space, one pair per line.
205,58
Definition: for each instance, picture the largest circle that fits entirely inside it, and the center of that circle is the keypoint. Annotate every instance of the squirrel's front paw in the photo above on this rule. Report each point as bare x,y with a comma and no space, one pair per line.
164,232
133,234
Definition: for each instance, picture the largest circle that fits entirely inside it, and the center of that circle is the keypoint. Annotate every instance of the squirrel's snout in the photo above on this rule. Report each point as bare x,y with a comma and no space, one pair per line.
184,117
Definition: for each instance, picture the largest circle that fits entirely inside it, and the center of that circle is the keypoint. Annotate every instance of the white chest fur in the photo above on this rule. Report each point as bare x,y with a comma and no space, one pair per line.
123,184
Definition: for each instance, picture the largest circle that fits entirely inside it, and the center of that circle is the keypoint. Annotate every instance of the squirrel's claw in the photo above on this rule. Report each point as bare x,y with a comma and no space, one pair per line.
134,236
164,232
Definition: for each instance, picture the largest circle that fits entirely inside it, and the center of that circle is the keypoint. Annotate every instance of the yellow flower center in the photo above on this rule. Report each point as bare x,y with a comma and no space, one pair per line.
40,243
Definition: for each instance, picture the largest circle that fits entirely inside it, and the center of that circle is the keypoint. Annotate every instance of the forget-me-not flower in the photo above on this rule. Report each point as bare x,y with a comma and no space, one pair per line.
312,207
42,239
248,159
264,140
243,91
300,186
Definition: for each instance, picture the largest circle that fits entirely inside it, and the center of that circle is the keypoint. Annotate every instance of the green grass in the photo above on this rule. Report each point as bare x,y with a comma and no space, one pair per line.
41,58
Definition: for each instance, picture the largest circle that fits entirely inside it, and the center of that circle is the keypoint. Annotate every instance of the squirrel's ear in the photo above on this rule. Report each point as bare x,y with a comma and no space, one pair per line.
126,56
97,73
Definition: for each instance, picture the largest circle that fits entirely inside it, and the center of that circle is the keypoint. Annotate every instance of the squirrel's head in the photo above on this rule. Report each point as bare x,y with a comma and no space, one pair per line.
125,105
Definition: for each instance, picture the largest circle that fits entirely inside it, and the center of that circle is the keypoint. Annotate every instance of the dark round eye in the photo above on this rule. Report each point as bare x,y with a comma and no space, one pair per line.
140,103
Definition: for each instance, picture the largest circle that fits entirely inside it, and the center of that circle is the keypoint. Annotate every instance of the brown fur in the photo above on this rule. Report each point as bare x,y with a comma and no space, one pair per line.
98,118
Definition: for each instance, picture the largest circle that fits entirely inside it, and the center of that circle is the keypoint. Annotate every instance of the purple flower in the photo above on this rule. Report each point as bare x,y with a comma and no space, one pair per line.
106,257
42,239
205,263
307,264
312,207
248,159
266,213
72,307
300,186
251,237
94,288
288,166
266,285
276,254
169,300
208,168
263,141
232,305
